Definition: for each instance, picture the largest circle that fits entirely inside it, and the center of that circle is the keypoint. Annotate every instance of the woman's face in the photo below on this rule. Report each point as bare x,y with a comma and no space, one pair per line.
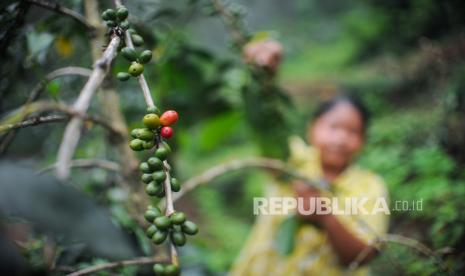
338,134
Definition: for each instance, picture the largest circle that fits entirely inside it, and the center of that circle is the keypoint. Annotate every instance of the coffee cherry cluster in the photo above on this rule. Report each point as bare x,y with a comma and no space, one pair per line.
175,226
116,18
153,169
166,269
156,127
137,62
117,21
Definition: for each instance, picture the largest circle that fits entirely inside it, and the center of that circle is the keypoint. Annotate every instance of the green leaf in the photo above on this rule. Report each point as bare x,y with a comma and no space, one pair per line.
432,161
212,132
53,88
285,236
60,210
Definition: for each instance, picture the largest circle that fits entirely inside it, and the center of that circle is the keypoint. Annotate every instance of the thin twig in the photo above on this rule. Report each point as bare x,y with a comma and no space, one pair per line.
68,71
418,246
16,117
34,121
408,242
170,208
398,239
37,90
141,79
255,162
167,184
60,72
142,82
72,132
87,163
93,269
361,256
63,10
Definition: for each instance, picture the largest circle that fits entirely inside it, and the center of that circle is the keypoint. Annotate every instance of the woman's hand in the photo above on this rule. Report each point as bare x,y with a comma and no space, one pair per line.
264,53
346,245
309,196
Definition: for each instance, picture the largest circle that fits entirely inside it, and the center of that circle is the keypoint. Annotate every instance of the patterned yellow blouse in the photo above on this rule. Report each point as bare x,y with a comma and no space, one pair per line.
312,253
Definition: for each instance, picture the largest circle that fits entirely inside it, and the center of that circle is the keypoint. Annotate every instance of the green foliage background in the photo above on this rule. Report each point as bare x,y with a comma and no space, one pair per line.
404,58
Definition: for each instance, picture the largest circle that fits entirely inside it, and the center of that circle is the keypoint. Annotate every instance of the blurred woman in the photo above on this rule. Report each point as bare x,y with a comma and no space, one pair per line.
319,244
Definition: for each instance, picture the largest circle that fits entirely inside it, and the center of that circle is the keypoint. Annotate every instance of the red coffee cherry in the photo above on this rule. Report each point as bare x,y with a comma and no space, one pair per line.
166,132
168,118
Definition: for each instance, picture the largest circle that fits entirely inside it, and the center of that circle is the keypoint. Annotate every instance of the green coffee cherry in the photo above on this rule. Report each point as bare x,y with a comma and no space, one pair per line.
159,176
111,24
178,238
154,110
137,40
176,227
151,230
105,16
166,146
178,218
151,121
175,185
145,134
153,188
123,76
159,269
136,145
145,56
152,213
122,13
144,167
148,144
129,53
162,193
124,25
162,222
171,270
136,69
189,227
155,163
162,153
109,14
159,236
146,178
135,133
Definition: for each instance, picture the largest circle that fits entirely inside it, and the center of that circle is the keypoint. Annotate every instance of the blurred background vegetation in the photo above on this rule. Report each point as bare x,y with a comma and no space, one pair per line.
405,58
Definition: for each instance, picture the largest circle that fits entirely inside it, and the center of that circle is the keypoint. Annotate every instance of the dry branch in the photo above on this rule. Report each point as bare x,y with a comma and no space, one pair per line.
33,122
72,132
34,95
18,118
93,269
87,163
256,162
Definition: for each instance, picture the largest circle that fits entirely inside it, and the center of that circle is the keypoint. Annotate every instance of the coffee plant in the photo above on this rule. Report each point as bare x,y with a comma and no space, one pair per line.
233,103
153,138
